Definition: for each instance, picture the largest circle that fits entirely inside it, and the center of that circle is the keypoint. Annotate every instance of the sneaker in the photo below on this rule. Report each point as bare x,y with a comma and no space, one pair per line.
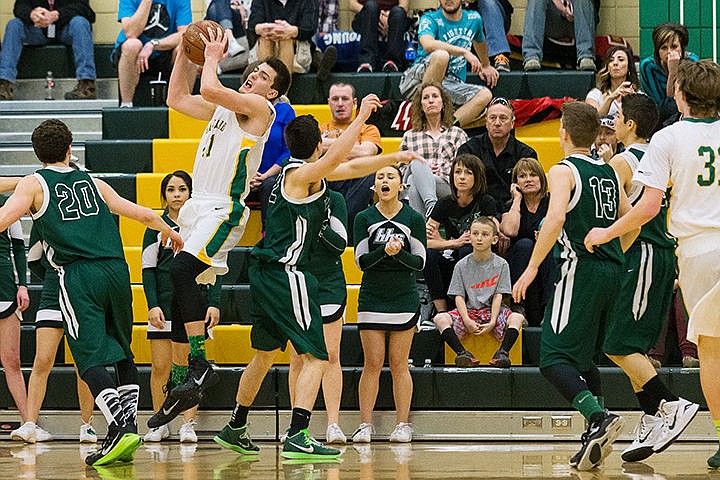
187,432
7,90
502,63
364,433
335,435
466,360
201,374
646,434
587,65
676,417
713,462
157,434
365,68
120,444
84,90
303,446
655,362
326,63
689,361
596,442
42,435
237,440
501,359
402,433
25,433
234,47
390,67
87,433
531,65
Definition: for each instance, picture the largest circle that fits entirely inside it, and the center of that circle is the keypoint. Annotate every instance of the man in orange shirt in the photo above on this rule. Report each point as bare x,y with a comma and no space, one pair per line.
357,192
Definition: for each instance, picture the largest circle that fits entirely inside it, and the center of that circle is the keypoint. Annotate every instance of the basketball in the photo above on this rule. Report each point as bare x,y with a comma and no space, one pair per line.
193,44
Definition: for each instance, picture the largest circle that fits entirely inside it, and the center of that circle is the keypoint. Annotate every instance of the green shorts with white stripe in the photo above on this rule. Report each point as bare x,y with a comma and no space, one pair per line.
578,311
96,303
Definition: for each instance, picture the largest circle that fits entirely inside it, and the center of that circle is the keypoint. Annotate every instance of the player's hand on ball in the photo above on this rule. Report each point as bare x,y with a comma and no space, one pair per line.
215,42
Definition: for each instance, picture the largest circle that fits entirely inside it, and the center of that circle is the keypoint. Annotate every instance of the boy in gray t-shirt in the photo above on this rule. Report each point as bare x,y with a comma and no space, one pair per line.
478,284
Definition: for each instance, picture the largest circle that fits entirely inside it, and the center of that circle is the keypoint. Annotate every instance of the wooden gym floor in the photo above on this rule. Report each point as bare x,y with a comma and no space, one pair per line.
381,460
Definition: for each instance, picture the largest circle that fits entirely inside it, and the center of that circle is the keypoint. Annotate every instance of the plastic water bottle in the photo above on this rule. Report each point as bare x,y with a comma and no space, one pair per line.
410,51
428,363
49,86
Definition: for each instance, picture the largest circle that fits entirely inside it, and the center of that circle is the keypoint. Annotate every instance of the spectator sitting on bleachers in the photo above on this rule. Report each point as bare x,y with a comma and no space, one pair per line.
498,149
150,32
478,284
559,19
386,18
657,73
447,37
232,16
453,215
357,192
606,143
39,22
521,224
328,16
434,138
615,79
493,15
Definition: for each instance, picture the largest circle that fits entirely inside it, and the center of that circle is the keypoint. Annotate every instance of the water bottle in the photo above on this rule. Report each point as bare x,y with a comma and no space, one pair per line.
49,86
410,51
428,363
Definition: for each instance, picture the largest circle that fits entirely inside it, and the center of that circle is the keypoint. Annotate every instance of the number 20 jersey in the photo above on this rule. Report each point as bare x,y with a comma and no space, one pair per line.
74,221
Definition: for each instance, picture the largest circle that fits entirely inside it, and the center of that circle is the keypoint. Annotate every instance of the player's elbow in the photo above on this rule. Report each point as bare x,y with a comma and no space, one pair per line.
211,93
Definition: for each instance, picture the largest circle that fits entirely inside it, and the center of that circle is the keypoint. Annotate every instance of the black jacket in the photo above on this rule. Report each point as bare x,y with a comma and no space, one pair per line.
300,13
66,8
498,170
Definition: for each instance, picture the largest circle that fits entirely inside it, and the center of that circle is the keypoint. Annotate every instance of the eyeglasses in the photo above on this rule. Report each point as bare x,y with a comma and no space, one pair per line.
501,101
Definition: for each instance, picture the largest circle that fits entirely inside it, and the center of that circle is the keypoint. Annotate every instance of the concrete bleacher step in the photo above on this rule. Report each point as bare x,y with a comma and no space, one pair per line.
35,89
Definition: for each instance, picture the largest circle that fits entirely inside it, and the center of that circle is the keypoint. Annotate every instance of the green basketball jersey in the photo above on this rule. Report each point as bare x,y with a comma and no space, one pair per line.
655,231
332,241
593,203
74,220
292,225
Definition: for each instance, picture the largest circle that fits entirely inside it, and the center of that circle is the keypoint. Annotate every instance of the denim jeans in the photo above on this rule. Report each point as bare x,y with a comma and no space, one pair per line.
494,24
76,33
366,24
219,11
543,19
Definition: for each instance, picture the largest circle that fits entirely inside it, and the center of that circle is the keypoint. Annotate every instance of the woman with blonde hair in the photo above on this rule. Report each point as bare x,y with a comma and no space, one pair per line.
434,138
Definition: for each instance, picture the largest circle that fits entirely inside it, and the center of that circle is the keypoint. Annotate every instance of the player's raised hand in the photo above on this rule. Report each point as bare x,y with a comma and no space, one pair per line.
369,104
215,43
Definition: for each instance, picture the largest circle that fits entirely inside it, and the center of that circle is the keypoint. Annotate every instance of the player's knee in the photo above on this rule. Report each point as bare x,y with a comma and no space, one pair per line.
442,321
43,363
373,363
10,361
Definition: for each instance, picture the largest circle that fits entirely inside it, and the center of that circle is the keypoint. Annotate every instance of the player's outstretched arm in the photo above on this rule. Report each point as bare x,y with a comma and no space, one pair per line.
339,150
364,166
180,97
19,202
7,184
645,210
213,91
144,215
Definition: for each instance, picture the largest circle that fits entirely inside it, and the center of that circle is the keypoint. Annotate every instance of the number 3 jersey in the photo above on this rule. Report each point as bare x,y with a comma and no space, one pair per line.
74,221
593,203
227,157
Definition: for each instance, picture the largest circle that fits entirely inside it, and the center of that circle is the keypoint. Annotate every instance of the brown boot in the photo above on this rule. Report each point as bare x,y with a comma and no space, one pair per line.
7,90
84,90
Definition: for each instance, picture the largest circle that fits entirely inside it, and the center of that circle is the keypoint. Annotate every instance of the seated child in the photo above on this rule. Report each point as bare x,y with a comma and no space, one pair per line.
478,284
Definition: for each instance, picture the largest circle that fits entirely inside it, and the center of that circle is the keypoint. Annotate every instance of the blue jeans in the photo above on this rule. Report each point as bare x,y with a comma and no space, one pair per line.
219,11
494,23
76,33
543,19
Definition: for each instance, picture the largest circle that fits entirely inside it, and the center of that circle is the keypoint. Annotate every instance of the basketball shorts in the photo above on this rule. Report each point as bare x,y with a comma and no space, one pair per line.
8,292
641,309
49,314
577,312
700,283
332,295
459,92
210,228
165,333
96,303
481,316
284,306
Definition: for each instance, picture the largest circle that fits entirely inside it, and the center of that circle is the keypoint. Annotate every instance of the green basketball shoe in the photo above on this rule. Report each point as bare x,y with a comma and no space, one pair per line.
237,440
303,446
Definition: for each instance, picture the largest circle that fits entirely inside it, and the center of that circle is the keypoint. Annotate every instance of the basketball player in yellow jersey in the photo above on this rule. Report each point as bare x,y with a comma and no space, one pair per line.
213,220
